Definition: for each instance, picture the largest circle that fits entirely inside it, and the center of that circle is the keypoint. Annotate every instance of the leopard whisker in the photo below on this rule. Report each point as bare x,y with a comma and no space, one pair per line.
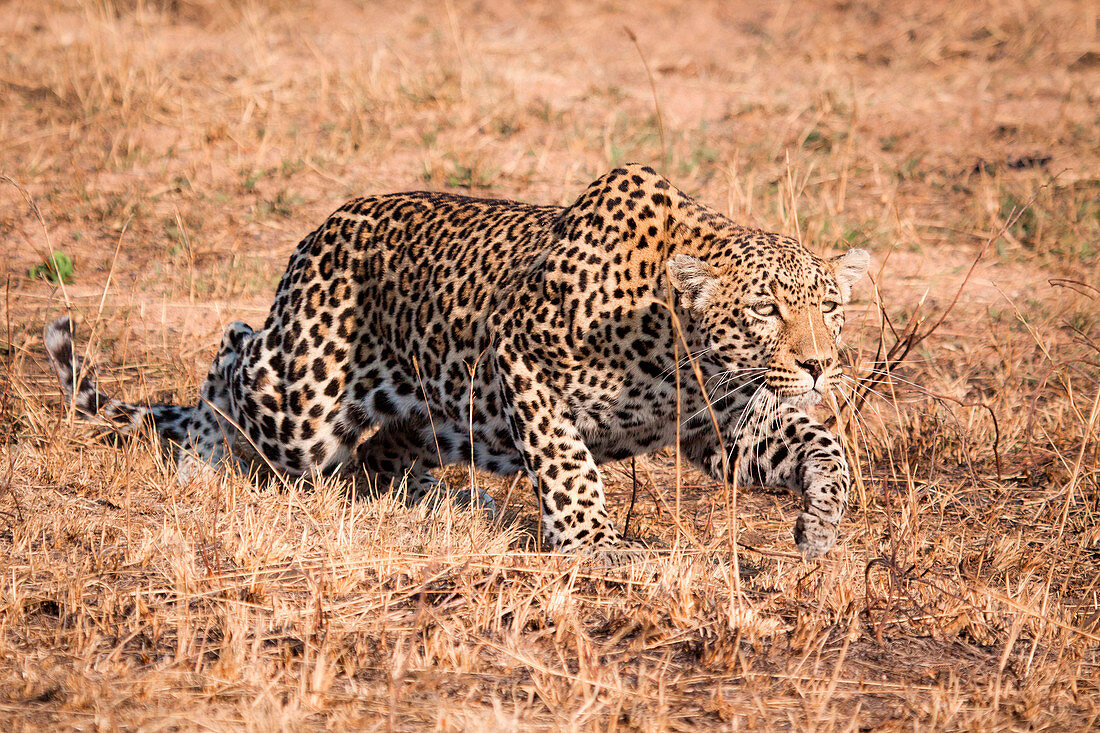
712,402
685,361
893,377
746,413
862,436
863,429
855,385
729,374
873,408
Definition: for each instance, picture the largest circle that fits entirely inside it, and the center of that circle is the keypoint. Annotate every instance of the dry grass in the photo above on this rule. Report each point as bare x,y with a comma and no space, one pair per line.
178,148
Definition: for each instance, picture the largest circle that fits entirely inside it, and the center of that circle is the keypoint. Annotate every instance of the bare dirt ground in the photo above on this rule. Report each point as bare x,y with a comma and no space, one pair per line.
177,149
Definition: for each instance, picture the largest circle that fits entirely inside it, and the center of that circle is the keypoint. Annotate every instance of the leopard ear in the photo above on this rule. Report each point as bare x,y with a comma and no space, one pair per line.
850,267
693,279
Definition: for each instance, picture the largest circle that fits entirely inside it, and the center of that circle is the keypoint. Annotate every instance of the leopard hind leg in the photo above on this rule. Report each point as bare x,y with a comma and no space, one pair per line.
402,454
213,429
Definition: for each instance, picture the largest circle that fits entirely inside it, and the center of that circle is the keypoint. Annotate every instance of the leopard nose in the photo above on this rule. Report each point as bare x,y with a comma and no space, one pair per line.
815,367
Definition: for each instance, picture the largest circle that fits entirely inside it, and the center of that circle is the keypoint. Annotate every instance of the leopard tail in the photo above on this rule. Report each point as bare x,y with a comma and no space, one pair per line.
78,385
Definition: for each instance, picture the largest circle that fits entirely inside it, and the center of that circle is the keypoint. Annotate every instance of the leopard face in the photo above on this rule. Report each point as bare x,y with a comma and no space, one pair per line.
773,318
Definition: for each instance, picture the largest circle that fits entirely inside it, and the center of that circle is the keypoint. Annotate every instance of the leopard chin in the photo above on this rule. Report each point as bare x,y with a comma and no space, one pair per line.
806,400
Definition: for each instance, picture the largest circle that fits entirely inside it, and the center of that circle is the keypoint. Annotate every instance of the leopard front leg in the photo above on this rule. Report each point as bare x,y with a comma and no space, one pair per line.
558,463
789,448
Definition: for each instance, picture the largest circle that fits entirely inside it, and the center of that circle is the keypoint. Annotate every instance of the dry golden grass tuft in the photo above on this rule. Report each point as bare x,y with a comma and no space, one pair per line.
176,150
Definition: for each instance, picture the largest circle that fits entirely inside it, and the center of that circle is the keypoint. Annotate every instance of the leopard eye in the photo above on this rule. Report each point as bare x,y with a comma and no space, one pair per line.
829,306
766,310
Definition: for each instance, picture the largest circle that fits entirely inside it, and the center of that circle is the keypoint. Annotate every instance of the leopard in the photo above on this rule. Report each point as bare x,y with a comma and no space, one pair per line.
413,331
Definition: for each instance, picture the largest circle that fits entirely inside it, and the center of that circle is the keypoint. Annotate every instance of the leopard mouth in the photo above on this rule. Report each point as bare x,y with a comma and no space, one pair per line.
804,399
809,398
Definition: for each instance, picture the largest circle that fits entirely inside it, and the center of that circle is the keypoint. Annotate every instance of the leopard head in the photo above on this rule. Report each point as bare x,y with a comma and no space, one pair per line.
770,316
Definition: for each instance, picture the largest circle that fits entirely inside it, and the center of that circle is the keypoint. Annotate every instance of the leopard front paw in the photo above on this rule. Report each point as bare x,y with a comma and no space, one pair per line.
814,535
482,501
622,551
